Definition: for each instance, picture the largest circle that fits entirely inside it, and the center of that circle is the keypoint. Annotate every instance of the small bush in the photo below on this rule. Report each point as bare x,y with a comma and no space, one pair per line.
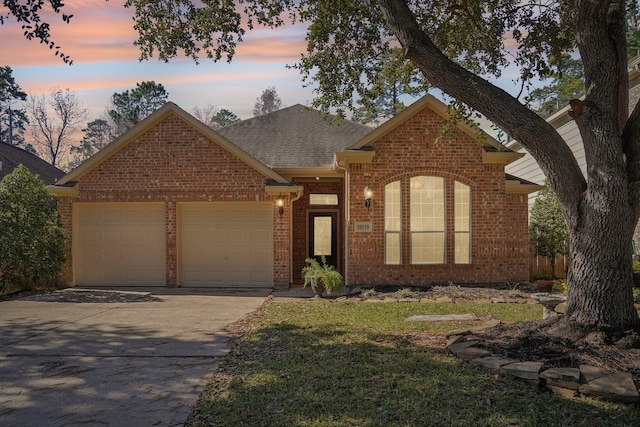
31,242
403,293
636,295
368,293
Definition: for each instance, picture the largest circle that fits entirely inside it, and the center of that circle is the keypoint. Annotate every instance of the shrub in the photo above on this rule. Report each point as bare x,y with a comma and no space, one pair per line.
547,227
31,242
403,293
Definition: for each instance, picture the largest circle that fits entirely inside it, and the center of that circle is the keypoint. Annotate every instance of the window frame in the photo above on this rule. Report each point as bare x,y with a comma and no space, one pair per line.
440,232
388,232
468,231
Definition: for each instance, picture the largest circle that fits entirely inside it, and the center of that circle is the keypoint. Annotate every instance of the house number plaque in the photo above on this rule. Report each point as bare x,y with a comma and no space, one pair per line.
364,227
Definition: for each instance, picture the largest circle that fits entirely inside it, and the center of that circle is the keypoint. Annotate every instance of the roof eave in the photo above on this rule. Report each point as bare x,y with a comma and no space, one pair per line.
342,158
276,189
63,190
516,187
321,172
500,157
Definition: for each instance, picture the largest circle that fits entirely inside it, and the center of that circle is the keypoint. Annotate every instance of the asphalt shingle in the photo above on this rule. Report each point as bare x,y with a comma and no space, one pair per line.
12,156
294,137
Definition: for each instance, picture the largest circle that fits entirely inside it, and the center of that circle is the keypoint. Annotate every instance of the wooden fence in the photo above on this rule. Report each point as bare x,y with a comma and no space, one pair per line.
542,266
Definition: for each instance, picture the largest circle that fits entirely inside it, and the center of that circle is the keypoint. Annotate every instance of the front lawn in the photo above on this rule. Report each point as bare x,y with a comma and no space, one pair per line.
346,363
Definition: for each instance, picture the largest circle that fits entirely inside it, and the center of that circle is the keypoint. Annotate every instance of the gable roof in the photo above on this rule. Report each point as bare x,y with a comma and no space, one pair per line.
435,105
160,114
294,137
12,156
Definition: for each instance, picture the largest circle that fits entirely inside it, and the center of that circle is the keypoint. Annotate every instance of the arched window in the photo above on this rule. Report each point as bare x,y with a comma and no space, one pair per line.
428,220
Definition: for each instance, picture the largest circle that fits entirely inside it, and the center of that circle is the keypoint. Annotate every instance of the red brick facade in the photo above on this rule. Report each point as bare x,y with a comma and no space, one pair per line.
499,232
173,162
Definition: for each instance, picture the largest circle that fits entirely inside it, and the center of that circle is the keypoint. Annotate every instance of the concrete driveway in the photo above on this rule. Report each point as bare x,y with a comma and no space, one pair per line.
82,357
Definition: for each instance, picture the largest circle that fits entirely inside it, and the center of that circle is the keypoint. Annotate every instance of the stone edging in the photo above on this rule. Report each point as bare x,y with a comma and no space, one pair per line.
569,382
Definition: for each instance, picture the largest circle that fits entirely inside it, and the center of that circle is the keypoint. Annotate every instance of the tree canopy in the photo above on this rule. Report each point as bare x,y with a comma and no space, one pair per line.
213,117
12,118
29,14
132,106
567,84
97,135
268,102
56,117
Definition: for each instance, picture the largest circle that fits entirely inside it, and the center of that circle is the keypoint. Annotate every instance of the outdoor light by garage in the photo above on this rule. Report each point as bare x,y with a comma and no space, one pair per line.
368,195
280,204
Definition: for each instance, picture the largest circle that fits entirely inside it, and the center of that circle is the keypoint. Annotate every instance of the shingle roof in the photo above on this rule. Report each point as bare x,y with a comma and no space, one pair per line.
12,156
294,137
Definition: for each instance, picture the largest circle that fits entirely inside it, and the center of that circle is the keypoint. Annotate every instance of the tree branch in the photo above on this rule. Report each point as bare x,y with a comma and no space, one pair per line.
540,139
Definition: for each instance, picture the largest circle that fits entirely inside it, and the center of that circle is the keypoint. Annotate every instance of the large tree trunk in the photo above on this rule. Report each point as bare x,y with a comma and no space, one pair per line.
600,275
602,210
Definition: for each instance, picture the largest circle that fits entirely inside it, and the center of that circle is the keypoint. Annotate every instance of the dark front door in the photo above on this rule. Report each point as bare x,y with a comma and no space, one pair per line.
323,236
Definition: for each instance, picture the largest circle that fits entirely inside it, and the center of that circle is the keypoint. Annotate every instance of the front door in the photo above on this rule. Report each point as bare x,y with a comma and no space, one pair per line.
323,237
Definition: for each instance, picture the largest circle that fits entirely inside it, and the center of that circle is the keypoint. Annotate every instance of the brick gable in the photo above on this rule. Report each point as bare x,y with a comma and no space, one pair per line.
497,217
174,162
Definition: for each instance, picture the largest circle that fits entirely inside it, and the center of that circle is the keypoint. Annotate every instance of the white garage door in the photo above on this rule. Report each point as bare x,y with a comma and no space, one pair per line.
225,244
120,244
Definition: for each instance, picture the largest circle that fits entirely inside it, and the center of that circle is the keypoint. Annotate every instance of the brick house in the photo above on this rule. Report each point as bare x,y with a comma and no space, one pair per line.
172,202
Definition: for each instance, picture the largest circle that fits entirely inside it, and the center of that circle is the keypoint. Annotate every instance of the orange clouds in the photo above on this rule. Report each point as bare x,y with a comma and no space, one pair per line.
102,31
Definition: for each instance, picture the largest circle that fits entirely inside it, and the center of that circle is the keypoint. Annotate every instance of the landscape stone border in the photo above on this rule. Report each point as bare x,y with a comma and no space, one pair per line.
569,382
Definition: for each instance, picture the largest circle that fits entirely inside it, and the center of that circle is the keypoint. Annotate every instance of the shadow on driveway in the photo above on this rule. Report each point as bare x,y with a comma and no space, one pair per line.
105,357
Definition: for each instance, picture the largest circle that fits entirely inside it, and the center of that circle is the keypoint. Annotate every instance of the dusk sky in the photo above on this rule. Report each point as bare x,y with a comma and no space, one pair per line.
100,38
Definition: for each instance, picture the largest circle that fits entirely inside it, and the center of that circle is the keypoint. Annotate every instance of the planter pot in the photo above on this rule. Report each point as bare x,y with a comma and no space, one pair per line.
545,285
317,288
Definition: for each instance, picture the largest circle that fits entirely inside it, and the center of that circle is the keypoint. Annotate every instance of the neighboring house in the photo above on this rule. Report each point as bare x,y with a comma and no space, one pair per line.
172,202
12,156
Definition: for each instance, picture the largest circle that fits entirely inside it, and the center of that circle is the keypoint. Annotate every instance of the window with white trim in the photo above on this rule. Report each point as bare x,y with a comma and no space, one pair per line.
462,196
427,226
392,223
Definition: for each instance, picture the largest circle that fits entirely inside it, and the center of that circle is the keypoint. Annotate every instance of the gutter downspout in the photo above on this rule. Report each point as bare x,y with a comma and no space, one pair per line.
293,199
347,215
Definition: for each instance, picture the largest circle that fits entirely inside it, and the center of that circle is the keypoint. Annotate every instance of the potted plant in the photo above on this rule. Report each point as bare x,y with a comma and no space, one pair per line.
321,277
548,230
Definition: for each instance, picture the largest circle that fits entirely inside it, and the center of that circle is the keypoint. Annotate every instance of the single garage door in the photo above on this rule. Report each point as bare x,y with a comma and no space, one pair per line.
225,244
120,244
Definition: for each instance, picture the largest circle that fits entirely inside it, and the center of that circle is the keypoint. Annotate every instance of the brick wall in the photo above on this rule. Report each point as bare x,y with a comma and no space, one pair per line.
499,221
172,162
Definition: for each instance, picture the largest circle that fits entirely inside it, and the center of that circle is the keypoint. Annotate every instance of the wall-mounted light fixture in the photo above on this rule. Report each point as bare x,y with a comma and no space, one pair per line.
280,204
368,196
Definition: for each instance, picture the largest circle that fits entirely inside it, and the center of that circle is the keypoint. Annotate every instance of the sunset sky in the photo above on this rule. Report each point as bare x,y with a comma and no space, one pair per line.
100,38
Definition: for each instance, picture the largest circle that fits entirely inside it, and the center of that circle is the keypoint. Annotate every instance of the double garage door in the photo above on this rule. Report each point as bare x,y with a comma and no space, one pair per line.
218,244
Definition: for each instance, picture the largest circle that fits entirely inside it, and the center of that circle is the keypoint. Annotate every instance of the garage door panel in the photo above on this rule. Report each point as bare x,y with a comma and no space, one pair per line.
225,244
121,244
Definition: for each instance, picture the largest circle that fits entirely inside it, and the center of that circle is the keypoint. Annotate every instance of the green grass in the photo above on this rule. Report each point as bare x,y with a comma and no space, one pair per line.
361,364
